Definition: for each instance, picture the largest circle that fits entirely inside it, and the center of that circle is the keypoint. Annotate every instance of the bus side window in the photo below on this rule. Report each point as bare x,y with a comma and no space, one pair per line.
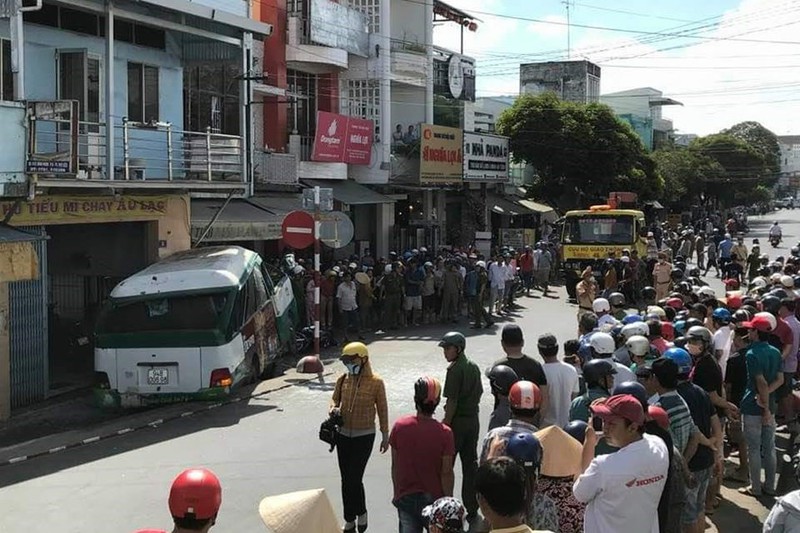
262,293
252,304
238,313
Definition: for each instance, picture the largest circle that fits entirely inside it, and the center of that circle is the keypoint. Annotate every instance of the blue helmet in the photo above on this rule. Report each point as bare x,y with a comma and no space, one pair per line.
681,358
680,328
525,449
630,319
721,314
577,429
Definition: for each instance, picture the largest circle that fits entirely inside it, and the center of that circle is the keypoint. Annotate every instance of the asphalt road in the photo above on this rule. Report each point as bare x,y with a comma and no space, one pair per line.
269,445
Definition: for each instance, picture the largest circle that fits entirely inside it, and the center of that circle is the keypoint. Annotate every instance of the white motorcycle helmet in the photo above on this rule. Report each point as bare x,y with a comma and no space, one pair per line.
602,343
638,345
636,328
601,305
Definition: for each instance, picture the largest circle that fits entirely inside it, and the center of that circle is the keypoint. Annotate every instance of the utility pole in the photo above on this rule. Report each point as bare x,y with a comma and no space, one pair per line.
568,4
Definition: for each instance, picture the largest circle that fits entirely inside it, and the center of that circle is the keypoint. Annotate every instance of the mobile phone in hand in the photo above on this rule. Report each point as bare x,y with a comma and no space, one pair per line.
597,425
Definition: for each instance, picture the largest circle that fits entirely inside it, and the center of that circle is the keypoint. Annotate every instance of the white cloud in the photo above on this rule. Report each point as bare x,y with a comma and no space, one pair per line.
552,26
720,82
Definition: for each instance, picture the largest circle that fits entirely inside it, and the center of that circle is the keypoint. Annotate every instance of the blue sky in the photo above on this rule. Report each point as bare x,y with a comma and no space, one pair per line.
725,78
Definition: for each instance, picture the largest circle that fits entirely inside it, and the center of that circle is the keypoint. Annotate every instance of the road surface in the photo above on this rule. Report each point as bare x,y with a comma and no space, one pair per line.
269,445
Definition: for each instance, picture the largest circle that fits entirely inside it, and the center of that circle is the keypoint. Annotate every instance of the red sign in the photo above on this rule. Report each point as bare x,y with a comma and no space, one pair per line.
342,139
358,149
297,230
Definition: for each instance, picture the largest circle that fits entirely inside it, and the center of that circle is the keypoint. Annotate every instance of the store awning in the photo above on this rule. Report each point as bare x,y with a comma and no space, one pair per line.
502,205
240,220
278,204
654,204
11,234
350,192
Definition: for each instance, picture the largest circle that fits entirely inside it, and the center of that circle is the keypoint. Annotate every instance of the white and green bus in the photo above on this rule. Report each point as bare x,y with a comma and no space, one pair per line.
191,327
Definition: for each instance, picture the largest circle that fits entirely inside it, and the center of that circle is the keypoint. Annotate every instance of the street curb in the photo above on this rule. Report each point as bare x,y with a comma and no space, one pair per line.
157,422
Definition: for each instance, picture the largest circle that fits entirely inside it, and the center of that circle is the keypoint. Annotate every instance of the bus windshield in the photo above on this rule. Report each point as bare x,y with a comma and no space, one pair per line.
197,312
598,229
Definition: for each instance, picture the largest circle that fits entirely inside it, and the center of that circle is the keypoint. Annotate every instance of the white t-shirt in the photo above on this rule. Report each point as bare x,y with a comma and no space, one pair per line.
722,342
562,383
346,293
623,373
622,489
497,275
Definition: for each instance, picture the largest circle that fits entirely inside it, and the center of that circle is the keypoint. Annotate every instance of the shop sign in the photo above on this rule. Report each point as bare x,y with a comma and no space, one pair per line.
342,139
441,156
45,210
485,157
512,237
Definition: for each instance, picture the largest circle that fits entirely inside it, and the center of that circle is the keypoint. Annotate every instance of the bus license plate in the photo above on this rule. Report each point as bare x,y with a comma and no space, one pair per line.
158,376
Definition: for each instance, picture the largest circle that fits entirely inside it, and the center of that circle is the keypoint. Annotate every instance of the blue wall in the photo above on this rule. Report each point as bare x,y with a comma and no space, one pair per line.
12,142
41,44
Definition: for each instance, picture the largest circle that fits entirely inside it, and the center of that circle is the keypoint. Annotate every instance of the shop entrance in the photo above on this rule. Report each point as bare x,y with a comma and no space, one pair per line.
85,262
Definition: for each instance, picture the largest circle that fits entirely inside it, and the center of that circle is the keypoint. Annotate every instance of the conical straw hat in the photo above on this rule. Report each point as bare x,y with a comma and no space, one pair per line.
562,453
299,512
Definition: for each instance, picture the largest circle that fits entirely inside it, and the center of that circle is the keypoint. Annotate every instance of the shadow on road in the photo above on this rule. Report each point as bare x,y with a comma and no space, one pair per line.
220,417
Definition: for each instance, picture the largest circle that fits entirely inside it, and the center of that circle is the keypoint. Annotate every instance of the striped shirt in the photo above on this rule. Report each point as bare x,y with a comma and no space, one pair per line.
681,425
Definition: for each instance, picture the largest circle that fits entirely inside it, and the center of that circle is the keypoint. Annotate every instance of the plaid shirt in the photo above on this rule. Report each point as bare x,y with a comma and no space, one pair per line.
360,398
513,427
681,425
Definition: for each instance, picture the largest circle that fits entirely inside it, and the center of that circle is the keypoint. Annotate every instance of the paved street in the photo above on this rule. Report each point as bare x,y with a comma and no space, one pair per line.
269,445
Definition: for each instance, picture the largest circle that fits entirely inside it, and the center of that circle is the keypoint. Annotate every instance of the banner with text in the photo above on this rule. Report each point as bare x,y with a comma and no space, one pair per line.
441,157
44,210
342,139
485,157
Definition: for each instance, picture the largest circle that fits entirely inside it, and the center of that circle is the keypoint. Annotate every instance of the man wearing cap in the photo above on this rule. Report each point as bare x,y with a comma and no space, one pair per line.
585,292
525,400
445,515
662,276
622,489
764,376
526,367
422,457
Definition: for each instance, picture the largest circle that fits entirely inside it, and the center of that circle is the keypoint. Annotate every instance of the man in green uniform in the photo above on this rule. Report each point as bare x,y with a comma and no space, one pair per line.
463,390
393,297
599,377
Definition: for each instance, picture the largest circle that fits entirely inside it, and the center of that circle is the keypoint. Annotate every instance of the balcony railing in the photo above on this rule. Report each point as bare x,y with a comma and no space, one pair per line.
301,146
401,45
149,152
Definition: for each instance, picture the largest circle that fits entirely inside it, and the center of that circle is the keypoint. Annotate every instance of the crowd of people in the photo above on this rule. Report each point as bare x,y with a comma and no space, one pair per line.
667,389
380,295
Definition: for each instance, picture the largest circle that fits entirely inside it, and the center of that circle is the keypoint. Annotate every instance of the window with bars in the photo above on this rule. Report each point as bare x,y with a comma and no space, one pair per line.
364,101
372,9
6,77
142,93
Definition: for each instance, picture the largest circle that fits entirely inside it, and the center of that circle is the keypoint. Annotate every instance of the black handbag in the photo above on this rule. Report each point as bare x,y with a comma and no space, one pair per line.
329,429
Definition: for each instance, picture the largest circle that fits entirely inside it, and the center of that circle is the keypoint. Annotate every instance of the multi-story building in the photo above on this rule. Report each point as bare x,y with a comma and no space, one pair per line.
573,81
118,114
641,108
790,162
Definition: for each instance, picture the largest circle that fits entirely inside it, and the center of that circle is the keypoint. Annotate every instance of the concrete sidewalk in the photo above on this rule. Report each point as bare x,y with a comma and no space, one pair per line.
69,422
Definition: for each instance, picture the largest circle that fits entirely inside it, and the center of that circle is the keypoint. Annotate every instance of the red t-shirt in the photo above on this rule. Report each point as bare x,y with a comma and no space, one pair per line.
419,444
526,263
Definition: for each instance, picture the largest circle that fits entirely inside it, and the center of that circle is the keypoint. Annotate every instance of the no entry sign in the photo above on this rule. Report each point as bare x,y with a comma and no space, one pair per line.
297,230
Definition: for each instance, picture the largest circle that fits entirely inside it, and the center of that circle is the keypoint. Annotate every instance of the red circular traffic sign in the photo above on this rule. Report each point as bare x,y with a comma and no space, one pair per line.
297,230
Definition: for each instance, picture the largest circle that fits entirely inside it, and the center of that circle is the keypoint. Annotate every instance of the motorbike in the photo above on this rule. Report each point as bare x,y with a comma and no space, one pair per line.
774,241
304,339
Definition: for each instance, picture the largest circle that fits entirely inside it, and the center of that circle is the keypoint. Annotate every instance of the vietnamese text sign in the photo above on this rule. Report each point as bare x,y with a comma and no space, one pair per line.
46,210
485,157
441,158
358,148
342,139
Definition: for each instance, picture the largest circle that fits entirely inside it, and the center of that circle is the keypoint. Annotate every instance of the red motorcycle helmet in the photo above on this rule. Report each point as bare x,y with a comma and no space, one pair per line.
675,303
195,493
668,331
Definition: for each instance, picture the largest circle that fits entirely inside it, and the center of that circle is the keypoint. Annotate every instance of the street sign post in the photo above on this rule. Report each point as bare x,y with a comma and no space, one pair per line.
336,229
297,230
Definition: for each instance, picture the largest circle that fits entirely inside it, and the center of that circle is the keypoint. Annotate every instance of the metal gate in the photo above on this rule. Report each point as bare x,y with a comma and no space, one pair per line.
28,331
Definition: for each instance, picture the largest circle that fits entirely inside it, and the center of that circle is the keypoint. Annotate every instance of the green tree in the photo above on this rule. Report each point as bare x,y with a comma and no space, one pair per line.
744,167
579,152
688,174
762,140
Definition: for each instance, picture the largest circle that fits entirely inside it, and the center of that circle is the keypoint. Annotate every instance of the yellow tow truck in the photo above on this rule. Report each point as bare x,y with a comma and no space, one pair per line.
588,236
